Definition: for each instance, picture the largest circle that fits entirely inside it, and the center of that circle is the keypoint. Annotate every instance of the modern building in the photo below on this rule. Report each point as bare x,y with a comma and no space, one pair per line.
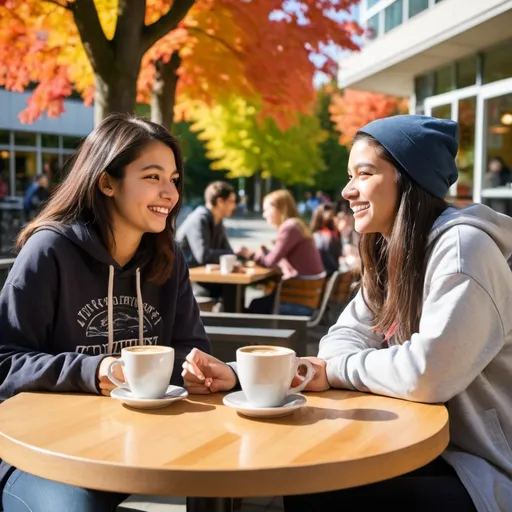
453,59
29,149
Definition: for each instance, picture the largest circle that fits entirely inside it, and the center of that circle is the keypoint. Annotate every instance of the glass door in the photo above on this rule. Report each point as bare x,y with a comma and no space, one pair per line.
496,146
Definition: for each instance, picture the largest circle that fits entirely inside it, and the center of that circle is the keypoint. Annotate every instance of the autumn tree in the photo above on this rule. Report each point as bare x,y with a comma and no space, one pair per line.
351,110
240,141
117,51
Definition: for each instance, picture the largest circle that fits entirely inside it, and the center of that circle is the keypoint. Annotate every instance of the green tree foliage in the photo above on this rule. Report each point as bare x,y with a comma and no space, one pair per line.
238,139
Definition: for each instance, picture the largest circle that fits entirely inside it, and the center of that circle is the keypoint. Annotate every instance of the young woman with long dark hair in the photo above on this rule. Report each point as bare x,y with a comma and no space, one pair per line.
98,270
431,323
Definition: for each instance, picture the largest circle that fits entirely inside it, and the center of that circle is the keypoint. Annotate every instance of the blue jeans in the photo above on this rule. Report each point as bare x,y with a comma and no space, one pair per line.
24,492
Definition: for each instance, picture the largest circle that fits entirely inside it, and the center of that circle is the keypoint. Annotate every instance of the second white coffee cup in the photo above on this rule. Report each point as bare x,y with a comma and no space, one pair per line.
147,370
227,263
266,373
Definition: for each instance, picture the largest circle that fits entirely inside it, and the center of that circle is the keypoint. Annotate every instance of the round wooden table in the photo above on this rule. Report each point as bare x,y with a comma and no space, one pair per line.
200,448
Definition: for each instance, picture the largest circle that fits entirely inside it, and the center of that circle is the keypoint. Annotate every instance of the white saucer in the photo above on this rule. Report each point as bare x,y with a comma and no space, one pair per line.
238,402
172,394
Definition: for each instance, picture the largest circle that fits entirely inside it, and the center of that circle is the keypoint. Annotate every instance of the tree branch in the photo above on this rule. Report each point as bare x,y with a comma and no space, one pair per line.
224,43
169,21
96,44
65,5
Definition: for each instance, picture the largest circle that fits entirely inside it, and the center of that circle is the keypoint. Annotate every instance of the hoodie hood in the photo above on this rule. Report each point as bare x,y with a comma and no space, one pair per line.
496,225
85,236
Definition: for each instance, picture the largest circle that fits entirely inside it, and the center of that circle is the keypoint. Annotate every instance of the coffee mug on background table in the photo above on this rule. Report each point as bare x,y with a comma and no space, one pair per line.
227,263
266,373
147,370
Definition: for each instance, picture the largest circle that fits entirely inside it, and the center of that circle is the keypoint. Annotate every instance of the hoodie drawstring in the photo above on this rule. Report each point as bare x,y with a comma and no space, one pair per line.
110,309
139,308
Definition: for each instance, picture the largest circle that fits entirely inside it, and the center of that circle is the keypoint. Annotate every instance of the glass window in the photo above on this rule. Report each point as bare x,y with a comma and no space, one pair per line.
372,27
466,154
25,169
49,141
417,6
70,142
442,112
371,3
443,81
466,72
4,137
24,139
393,15
497,63
4,174
423,87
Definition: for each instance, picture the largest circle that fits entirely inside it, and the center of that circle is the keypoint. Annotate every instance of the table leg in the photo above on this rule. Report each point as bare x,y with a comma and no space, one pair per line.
239,306
209,505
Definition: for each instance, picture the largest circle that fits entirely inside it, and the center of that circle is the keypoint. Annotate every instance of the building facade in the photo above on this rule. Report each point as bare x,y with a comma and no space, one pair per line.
453,59
44,146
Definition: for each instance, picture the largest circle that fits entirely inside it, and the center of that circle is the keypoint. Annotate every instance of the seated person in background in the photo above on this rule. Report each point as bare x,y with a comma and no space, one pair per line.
202,235
498,175
36,195
294,251
431,322
326,237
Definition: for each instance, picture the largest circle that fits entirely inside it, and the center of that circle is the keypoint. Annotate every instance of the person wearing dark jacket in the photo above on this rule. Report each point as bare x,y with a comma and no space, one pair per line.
98,270
203,238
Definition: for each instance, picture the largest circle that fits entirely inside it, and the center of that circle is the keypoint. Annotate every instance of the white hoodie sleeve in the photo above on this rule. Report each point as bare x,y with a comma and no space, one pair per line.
460,332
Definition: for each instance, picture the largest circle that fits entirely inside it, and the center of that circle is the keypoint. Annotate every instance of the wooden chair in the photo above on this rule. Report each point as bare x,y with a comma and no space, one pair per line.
305,291
342,293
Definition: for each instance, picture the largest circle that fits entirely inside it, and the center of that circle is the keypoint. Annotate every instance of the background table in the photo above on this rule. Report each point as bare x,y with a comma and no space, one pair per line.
238,279
199,447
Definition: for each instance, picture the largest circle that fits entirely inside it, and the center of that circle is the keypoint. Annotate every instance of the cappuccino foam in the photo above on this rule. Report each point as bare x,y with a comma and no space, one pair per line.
148,349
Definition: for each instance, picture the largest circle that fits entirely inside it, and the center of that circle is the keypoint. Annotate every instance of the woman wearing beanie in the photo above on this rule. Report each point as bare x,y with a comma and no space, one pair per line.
432,321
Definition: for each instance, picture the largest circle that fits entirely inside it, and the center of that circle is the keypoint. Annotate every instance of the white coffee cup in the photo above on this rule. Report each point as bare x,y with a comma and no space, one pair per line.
227,263
266,373
147,370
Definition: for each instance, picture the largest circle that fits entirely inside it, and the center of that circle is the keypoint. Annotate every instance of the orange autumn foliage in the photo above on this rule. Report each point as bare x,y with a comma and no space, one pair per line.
245,47
351,110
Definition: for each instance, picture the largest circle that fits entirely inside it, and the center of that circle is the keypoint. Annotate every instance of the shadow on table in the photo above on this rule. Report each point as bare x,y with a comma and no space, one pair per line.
185,407
311,414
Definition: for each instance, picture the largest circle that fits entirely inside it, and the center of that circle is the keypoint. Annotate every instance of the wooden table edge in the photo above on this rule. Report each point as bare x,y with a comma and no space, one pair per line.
233,483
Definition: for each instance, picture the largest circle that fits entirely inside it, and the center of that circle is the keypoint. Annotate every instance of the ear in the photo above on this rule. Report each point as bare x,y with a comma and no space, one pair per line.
105,185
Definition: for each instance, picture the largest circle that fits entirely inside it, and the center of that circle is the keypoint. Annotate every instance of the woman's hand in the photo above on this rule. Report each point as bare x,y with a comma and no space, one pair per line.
203,373
319,381
244,252
105,384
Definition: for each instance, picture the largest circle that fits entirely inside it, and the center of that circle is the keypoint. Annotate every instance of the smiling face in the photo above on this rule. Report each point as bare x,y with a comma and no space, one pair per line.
146,195
372,190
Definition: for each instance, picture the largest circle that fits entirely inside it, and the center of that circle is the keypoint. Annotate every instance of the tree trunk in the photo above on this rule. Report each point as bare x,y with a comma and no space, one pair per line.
164,91
257,192
115,93
116,62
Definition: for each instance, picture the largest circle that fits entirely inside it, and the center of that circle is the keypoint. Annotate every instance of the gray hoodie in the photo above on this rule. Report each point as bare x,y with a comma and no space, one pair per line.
462,354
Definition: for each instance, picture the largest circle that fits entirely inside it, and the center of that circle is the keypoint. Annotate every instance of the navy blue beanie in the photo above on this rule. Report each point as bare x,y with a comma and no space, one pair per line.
424,146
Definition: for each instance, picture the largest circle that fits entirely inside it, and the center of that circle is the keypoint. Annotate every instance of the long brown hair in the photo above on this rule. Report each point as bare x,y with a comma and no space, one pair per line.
320,218
393,269
116,142
285,204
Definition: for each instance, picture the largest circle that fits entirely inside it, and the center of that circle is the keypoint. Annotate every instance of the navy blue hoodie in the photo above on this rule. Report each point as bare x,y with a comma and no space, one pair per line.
55,323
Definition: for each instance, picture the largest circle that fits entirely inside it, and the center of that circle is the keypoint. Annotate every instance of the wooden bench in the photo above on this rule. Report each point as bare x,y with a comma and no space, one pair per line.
246,320
226,340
